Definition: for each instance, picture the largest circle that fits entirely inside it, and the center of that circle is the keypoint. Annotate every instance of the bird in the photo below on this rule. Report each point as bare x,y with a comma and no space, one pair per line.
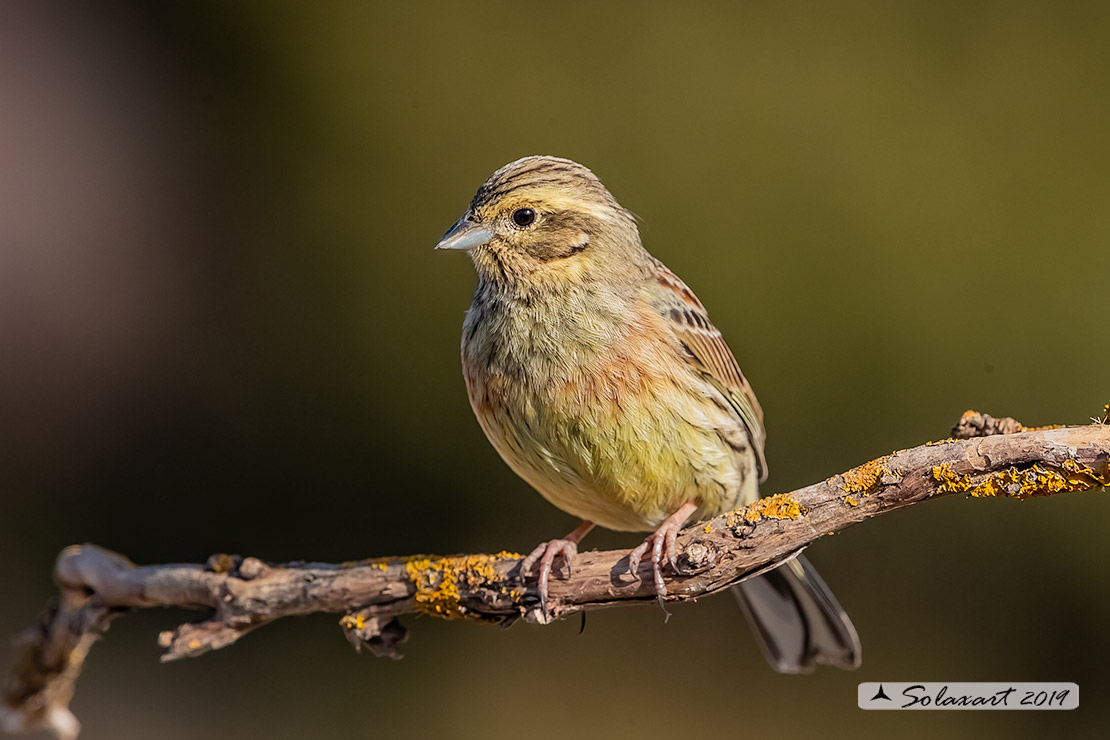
597,375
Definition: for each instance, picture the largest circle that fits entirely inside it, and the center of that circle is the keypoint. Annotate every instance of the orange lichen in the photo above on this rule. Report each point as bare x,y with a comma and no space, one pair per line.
437,580
948,441
866,477
1022,484
708,528
221,563
356,622
948,480
851,501
779,506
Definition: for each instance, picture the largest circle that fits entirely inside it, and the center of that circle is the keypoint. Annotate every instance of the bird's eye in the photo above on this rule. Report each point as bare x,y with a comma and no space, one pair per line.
524,217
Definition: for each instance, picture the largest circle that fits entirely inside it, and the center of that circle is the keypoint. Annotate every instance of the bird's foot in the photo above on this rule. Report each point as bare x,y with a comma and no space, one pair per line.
661,543
545,554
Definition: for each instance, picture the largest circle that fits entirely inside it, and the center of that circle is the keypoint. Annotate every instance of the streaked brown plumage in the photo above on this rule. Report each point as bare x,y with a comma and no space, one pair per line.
597,375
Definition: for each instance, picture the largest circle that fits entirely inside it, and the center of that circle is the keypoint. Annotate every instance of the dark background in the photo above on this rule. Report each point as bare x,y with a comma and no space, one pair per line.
223,328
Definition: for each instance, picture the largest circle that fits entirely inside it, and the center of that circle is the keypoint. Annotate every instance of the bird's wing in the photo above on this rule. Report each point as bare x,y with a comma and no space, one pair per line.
707,351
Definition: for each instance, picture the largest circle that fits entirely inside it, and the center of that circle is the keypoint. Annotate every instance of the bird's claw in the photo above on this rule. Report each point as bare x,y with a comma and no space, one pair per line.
663,546
545,554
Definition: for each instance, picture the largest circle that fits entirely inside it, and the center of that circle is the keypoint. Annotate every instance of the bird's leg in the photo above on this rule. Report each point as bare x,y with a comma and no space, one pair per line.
661,542
546,552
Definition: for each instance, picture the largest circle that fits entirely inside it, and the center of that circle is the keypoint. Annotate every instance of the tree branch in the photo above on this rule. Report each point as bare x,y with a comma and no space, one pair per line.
97,585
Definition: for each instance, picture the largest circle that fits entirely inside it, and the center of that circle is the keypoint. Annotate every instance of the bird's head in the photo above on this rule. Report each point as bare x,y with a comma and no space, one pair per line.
545,223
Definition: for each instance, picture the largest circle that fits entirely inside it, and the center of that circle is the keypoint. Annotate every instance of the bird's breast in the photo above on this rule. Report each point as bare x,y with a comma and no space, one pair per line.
600,414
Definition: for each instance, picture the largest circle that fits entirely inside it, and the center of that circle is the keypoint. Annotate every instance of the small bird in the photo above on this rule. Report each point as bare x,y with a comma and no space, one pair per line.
598,377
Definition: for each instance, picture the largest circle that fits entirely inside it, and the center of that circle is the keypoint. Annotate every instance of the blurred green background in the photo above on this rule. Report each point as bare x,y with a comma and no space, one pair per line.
223,328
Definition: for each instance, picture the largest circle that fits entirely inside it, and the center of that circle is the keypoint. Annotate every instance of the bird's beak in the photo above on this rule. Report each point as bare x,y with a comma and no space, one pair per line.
465,234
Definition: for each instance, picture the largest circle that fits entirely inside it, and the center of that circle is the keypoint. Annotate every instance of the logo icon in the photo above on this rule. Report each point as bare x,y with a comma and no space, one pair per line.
880,694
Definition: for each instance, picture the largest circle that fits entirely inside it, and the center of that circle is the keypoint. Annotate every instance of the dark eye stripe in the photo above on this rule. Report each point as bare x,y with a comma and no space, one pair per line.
578,246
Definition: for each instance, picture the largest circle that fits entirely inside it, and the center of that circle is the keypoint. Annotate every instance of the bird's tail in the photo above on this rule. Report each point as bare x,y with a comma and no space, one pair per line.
796,619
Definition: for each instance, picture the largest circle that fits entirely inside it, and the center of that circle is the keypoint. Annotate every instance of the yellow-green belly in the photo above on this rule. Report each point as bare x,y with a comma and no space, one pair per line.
621,449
